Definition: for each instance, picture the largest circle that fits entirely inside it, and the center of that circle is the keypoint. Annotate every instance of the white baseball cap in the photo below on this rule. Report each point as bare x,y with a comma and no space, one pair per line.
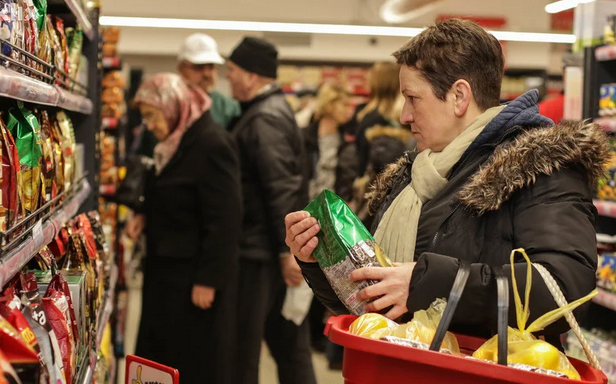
199,48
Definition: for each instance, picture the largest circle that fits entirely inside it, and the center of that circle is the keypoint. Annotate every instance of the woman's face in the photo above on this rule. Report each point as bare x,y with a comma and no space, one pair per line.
155,121
341,110
433,121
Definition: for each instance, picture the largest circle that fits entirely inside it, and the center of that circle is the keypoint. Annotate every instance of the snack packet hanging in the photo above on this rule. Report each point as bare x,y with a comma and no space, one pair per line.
31,31
7,18
48,166
35,314
523,347
56,310
344,246
25,130
74,37
66,132
59,283
8,179
58,25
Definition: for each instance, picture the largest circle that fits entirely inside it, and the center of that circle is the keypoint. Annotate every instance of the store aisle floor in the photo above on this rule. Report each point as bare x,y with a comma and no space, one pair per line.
268,367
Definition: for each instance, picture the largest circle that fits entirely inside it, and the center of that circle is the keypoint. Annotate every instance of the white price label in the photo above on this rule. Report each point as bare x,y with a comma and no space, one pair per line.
37,234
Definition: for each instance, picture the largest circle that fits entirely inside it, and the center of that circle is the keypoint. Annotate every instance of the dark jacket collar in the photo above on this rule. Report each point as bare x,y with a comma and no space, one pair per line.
275,90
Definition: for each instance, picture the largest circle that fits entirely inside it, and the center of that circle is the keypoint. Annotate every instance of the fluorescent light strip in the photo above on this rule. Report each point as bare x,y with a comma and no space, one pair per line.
333,29
563,5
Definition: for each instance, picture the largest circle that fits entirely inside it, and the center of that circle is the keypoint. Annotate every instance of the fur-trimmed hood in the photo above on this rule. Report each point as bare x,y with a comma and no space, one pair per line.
516,164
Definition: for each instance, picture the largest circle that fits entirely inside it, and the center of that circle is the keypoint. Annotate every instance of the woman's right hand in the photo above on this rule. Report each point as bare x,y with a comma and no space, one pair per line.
135,226
301,235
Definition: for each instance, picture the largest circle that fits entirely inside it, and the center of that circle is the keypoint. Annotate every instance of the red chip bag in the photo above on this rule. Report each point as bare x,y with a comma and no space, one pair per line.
7,373
10,309
85,229
59,283
56,310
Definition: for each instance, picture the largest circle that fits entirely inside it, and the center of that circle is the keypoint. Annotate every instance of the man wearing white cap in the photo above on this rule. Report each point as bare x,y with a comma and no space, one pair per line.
197,61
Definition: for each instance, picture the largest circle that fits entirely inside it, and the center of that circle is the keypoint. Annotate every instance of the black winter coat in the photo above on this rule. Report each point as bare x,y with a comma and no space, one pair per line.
521,183
273,180
193,224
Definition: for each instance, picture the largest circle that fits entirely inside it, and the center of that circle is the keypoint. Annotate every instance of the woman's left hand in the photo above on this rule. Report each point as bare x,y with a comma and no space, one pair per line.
392,290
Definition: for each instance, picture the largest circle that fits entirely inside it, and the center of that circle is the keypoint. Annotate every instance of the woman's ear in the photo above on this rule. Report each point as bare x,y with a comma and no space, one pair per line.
463,96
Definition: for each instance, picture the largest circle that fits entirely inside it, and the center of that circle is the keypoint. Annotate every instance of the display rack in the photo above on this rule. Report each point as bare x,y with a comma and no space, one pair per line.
605,299
82,18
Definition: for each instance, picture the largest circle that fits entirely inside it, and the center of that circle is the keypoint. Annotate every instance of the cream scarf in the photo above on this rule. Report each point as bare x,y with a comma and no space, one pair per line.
397,231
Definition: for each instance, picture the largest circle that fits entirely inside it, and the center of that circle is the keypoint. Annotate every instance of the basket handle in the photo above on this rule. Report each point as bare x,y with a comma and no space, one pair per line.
559,298
459,283
502,287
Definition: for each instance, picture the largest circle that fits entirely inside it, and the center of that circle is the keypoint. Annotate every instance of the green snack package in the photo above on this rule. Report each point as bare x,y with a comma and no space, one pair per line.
74,38
41,7
344,246
24,128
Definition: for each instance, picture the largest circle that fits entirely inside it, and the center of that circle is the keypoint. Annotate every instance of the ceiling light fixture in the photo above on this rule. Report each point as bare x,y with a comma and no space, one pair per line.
564,5
333,29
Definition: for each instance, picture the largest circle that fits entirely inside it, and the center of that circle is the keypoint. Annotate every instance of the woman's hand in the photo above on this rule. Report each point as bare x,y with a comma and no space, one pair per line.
391,290
202,296
135,226
301,235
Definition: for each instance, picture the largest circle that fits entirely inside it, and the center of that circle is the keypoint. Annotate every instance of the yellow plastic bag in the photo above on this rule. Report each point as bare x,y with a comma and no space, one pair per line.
523,347
421,329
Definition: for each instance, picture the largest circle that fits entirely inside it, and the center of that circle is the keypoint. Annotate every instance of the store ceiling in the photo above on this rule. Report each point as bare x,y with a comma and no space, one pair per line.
522,15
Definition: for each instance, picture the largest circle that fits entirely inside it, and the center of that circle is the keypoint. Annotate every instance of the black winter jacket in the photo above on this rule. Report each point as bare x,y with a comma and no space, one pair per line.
273,182
193,207
521,183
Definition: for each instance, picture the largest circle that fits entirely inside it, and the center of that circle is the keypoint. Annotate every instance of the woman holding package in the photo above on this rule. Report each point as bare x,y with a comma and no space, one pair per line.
486,179
192,220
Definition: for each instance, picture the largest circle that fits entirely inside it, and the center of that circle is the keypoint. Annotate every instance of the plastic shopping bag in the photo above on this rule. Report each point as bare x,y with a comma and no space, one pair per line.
523,346
420,329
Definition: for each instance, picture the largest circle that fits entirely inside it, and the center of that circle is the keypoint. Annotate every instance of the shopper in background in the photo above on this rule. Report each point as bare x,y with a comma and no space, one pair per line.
192,219
383,109
271,155
487,179
331,154
197,63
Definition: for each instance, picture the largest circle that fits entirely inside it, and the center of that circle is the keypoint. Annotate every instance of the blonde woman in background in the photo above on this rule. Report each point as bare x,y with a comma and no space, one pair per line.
330,144
383,109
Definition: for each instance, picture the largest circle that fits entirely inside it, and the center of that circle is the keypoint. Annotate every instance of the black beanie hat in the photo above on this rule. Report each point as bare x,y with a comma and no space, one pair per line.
257,56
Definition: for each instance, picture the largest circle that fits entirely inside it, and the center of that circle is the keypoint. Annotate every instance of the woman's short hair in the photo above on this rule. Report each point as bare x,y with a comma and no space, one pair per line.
457,49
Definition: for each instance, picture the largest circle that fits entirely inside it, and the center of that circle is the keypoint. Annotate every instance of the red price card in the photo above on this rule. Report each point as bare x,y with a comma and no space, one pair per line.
142,371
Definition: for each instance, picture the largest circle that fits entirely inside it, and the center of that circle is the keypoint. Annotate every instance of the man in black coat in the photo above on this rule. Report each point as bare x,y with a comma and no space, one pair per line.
273,185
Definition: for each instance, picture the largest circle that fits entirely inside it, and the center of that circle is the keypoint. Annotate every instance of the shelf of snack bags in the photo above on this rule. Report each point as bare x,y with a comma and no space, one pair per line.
77,7
42,60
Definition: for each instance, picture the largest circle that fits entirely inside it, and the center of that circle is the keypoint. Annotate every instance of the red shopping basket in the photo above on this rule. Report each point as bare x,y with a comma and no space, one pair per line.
368,361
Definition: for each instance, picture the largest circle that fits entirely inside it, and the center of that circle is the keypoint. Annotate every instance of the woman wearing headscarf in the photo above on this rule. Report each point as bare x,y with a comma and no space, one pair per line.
192,219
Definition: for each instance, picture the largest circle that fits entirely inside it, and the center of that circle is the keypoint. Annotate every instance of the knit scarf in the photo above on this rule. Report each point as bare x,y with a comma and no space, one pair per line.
397,231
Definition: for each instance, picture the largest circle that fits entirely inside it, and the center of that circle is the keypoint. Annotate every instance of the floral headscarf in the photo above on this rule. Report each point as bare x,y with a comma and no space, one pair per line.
181,104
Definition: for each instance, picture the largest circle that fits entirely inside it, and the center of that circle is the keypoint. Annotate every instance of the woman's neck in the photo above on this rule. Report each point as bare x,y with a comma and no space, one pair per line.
328,126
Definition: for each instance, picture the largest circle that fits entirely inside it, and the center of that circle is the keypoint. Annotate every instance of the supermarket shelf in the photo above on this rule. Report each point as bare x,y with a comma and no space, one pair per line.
606,208
112,63
82,17
73,102
21,87
605,299
607,123
606,53
42,234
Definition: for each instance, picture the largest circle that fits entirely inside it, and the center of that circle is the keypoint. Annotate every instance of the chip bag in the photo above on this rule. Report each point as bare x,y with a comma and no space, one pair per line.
344,246
523,347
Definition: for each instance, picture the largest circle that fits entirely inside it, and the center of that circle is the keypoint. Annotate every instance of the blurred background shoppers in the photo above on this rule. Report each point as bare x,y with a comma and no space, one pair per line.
192,219
384,107
198,61
273,184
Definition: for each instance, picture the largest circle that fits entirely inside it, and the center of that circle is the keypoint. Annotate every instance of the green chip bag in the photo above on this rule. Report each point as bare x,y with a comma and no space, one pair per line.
25,128
344,246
